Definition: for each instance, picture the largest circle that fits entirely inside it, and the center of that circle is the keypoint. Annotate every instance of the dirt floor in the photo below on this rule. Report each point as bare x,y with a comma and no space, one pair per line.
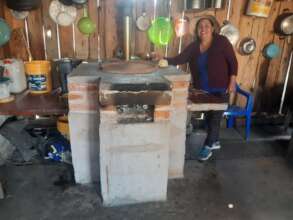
252,178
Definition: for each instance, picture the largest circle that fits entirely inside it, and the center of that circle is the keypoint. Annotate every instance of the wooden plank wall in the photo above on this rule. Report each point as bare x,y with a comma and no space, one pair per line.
263,77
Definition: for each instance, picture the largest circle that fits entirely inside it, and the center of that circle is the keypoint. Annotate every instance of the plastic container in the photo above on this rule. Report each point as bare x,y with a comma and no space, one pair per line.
259,8
161,31
4,88
39,76
14,69
63,127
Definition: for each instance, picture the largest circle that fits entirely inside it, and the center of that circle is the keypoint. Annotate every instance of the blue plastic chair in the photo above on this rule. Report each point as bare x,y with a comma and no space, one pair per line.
234,111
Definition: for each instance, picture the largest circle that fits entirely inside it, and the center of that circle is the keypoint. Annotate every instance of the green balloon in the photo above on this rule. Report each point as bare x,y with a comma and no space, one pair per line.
5,32
161,31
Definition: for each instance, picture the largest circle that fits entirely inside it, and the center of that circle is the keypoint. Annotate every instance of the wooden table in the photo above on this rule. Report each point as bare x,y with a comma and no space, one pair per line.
26,104
201,101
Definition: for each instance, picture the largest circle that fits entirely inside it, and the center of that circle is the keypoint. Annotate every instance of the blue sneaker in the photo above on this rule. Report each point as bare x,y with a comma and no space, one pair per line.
205,153
216,145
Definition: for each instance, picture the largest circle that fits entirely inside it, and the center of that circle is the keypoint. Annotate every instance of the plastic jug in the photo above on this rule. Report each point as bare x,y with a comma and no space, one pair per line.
14,70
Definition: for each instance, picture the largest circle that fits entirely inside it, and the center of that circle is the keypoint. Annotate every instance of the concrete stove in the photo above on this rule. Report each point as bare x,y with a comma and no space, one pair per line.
127,128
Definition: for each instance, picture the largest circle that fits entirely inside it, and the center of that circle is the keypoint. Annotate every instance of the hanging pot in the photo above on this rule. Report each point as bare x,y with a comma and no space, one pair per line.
62,14
247,46
5,32
20,15
66,2
85,24
284,24
181,26
231,32
204,4
228,29
23,5
79,2
143,21
61,69
271,51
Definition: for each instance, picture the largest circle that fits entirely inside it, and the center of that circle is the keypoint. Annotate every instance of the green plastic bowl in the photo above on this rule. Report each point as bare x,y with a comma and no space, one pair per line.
161,31
86,25
5,32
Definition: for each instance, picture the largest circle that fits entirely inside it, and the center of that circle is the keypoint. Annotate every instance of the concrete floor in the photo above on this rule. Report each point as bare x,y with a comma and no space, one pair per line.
253,176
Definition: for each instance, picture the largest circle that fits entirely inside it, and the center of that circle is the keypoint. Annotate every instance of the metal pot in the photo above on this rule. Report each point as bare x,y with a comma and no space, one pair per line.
23,5
204,4
228,29
79,2
61,69
181,26
284,24
247,46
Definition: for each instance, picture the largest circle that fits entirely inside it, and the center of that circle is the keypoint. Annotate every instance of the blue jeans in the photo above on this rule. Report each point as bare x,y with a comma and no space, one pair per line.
213,122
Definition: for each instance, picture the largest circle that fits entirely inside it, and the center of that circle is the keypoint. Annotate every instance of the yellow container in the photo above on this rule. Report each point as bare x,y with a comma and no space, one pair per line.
39,76
62,126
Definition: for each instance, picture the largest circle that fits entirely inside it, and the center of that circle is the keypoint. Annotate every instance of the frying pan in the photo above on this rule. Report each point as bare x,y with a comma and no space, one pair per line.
247,46
228,29
62,14
283,24
143,21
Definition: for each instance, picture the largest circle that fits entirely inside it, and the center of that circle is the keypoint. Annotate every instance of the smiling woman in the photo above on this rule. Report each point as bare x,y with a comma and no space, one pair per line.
213,67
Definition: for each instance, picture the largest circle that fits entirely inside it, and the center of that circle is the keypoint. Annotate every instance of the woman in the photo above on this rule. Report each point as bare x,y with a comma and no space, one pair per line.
213,66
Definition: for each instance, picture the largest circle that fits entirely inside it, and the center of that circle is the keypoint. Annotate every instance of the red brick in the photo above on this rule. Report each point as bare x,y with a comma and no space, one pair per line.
82,87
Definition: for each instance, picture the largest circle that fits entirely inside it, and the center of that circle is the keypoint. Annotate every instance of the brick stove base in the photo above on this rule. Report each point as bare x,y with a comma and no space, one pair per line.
132,161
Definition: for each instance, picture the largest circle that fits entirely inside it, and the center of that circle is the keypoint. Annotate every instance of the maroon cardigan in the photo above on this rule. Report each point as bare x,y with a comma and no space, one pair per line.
222,62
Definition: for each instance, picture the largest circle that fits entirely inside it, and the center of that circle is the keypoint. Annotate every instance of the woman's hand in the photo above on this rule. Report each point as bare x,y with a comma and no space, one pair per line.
163,63
232,85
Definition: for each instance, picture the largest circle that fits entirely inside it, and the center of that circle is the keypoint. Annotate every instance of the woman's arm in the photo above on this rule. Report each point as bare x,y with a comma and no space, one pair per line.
232,64
183,57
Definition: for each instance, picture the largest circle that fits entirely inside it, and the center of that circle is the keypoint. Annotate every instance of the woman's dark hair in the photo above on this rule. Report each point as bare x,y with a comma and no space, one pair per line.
212,22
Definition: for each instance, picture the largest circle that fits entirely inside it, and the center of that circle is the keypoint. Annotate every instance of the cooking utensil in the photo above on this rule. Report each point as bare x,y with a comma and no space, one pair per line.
228,29
62,14
271,50
143,21
98,30
285,83
23,5
247,46
5,32
66,2
284,24
20,15
79,2
61,68
204,4
181,26
161,31
85,24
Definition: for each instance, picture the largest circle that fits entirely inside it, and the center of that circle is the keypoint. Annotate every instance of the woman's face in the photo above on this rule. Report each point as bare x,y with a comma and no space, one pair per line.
205,29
